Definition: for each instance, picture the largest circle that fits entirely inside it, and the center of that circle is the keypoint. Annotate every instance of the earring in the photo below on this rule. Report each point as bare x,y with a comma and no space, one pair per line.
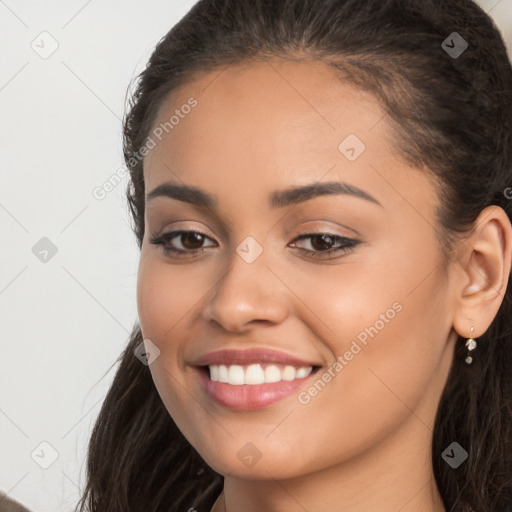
470,345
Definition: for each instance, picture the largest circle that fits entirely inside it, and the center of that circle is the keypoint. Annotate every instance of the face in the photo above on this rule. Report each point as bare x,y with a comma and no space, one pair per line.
350,282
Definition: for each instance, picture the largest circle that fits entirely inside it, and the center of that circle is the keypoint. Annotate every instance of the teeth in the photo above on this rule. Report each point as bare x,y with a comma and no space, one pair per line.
223,373
272,373
235,375
303,372
214,372
252,374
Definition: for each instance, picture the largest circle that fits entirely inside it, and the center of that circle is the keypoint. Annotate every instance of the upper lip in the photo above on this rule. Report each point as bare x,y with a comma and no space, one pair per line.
249,356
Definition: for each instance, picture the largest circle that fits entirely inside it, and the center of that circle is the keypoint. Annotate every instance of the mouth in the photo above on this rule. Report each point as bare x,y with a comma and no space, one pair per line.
253,386
256,374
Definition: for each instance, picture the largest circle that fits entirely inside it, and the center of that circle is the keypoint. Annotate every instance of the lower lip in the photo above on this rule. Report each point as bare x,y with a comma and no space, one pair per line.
247,397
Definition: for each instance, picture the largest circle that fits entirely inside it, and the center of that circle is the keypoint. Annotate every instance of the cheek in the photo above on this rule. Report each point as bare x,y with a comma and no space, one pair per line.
388,322
168,304
164,299
165,294
388,319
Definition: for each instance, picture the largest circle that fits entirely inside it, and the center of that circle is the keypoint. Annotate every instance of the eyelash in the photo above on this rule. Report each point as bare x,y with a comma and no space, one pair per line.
348,244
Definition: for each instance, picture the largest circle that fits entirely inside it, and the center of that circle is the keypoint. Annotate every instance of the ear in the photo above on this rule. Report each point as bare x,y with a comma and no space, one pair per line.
485,269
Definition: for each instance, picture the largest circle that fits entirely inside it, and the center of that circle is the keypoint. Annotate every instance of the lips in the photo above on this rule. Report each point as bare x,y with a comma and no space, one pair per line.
249,397
251,356
237,391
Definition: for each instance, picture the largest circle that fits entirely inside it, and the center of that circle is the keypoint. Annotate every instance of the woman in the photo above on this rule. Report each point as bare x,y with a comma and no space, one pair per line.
321,192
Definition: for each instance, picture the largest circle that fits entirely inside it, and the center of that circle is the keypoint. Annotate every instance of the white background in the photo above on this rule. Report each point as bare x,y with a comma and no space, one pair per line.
64,322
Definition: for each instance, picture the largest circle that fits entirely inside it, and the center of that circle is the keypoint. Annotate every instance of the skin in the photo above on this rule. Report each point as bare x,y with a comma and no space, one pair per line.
363,442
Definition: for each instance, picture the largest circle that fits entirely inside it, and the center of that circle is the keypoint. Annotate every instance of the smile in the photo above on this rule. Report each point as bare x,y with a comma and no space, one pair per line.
254,386
253,374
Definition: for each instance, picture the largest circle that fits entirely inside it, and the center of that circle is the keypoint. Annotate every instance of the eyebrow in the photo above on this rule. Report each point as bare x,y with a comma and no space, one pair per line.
278,199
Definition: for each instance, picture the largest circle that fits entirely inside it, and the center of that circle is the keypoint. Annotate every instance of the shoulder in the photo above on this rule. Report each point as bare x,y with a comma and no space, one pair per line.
9,505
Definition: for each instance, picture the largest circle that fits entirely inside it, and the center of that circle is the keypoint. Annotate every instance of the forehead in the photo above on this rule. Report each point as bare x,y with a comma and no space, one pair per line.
273,122
285,107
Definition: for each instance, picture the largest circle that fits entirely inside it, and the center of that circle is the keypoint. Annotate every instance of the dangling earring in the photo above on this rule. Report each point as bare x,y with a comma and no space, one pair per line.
470,345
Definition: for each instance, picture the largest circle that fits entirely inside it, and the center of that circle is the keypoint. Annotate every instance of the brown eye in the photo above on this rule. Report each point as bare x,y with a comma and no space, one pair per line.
323,242
191,240
181,242
325,245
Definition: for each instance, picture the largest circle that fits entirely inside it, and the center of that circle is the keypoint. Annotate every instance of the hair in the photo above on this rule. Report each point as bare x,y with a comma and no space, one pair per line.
452,118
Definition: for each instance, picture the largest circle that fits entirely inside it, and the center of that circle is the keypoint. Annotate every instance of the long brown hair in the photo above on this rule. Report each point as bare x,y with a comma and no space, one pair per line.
453,118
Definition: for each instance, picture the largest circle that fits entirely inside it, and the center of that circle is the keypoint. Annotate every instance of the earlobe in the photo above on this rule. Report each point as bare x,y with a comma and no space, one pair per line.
486,266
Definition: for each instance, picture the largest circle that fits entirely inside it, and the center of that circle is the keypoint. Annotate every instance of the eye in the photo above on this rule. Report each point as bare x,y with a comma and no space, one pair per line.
192,242
322,244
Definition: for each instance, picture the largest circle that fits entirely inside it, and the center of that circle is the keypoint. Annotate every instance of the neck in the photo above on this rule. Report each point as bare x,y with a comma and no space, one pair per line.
393,475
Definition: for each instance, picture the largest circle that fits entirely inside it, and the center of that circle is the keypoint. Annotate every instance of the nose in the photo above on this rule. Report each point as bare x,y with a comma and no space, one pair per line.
246,293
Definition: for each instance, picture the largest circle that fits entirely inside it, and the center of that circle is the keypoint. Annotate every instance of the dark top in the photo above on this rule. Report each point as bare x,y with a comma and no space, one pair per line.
9,505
